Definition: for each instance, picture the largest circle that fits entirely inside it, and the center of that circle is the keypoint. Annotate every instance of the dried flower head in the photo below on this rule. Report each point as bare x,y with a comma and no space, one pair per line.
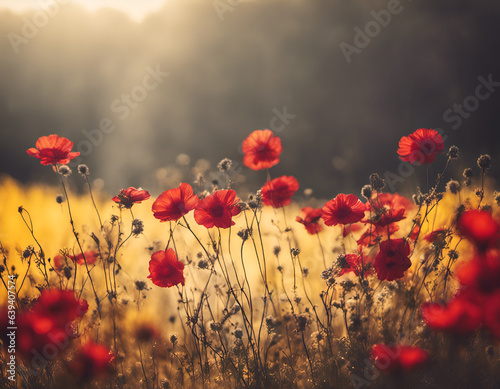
453,186
238,333
484,162
468,173
496,197
83,170
141,285
453,152
377,182
64,170
59,199
137,227
367,191
225,165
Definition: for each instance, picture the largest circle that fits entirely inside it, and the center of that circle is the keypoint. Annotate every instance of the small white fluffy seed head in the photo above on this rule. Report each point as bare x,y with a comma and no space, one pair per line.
64,170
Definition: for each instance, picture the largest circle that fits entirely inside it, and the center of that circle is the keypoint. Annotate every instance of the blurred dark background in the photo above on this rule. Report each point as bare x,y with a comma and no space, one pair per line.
231,67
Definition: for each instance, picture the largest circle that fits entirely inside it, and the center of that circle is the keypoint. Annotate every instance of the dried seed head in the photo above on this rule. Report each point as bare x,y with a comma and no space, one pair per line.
173,339
453,254
141,285
484,162
83,170
453,152
496,197
64,170
238,333
59,199
137,227
377,182
225,165
453,187
468,173
367,191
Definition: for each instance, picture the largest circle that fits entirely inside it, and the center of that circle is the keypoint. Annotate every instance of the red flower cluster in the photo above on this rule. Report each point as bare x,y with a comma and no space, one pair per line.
53,149
128,197
91,361
421,146
175,203
461,316
477,303
392,260
398,357
310,217
218,209
279,192
343,209
262,150
49,322
165,269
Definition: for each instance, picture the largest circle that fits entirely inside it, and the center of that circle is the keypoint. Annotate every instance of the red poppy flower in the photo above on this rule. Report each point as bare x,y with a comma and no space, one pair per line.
374,234
90,257
217,209
461,316
482,272
60,260
59,306
356,263
392,260
435,236
398,357
389,200
343,209
310,217
388,216
49,321
175,203
128,197
480,228
165,269
35,332
53,149
421,146
262,150
491,314
279,192
414,233
91,361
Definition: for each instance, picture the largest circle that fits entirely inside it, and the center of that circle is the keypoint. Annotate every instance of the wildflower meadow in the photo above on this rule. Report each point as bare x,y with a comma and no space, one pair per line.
203,286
